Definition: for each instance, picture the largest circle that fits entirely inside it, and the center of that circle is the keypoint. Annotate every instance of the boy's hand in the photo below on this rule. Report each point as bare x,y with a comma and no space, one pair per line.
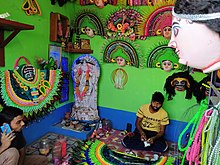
7,139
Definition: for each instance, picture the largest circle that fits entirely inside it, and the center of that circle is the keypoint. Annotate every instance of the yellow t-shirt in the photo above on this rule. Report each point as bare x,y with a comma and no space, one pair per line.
152,121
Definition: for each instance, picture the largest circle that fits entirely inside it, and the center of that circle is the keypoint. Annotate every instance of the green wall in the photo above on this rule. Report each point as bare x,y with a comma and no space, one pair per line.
31,43
142,82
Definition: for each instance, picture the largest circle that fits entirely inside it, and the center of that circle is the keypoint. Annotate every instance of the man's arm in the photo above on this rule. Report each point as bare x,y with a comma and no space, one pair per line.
22,156
2,149
160,133
138,126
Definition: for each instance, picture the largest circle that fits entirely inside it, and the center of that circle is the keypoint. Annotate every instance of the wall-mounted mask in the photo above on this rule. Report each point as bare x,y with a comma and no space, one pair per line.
182,81
167,60
88,31
120,57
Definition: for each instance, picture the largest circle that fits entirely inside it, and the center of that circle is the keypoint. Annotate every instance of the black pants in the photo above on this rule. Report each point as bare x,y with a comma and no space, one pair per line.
133,141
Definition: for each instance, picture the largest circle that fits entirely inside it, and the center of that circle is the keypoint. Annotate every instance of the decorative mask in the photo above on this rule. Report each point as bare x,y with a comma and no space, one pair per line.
88,31
182,81
167,59
120,57
27,72
197,45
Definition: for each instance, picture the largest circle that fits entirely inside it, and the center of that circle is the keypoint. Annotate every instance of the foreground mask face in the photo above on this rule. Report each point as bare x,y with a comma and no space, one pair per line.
196,45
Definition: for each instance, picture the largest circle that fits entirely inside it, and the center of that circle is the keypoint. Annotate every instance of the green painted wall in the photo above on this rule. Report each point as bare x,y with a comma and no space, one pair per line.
142,82
31,43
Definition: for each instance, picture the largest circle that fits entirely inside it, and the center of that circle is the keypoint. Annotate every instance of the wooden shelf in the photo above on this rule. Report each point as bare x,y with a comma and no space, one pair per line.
15,27
89,51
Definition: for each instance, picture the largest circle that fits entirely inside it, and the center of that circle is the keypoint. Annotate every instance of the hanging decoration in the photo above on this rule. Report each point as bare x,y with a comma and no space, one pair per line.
119,78
32,90
204,85
158,20
120,48
88,23
164,57
123,24
193,129
85,75
182,81
31,7
63,30
98,3
146,3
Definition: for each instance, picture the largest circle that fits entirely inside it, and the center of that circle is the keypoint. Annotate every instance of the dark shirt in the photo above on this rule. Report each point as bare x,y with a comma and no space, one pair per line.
19,141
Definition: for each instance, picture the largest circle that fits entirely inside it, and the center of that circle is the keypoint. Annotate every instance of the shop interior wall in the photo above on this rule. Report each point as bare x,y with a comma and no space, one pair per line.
142,82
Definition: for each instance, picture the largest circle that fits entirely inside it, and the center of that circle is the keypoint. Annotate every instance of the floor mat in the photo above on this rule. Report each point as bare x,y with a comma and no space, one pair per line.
113,140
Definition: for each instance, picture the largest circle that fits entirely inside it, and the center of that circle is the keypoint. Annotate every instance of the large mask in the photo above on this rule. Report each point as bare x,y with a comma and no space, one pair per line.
196,45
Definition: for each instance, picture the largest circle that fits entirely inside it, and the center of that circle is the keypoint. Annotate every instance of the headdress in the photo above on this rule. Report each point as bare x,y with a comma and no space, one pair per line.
120,53
197,17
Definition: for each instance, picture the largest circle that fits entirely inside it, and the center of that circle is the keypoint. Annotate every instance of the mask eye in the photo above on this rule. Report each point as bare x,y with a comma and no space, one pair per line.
175,29
183,83
174,83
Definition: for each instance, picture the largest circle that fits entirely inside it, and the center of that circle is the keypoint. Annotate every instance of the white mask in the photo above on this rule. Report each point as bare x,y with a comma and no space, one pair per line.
196,45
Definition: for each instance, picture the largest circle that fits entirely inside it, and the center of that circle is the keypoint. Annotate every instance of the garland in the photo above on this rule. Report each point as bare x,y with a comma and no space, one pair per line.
79,72
214,156
193,153
208,136
194,122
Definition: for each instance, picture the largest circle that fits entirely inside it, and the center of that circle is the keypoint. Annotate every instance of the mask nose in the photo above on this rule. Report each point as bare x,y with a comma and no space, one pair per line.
172,44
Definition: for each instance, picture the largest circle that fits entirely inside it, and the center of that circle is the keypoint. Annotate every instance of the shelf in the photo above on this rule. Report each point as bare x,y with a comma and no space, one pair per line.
89,51
15,27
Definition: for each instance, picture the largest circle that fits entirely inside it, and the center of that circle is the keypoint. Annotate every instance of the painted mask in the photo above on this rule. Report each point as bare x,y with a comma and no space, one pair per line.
196,45
167,65
88,31
120,61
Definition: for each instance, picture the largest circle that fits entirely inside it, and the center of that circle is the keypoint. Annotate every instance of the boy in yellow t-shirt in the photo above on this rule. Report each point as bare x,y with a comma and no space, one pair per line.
150,127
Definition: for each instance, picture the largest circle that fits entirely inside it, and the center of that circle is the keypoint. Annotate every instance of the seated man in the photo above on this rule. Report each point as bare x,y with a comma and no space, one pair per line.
150,127
15,139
